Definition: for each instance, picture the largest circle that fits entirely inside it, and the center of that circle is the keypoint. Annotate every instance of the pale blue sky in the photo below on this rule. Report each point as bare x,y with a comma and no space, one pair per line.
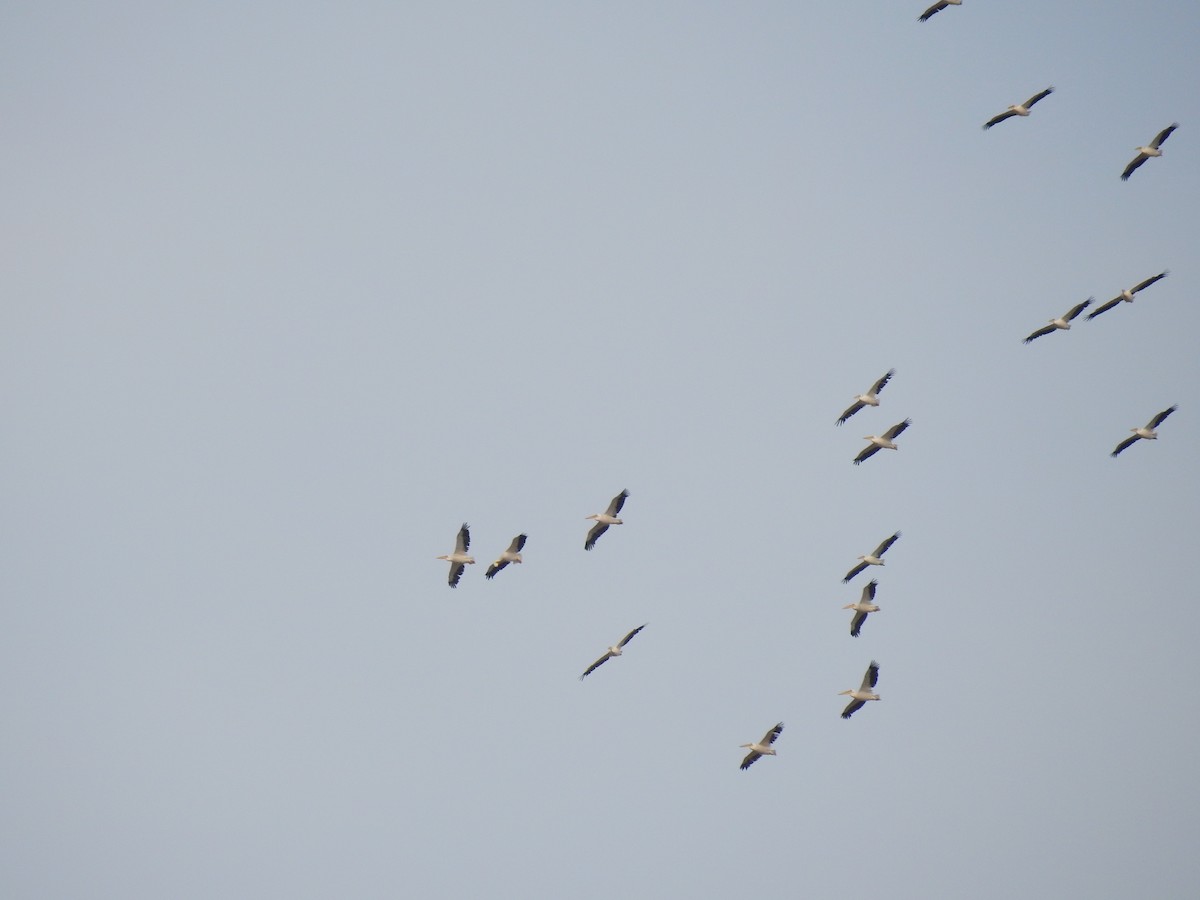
292,292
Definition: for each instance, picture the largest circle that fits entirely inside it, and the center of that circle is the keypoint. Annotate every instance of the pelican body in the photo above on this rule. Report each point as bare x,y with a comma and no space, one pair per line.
605,519
761,748
885,441
1063,322
511,555
1146,433
1126,295
870,398
460,557
865,692
937,8
1018,109
872,559
614,650
864,606
1152,150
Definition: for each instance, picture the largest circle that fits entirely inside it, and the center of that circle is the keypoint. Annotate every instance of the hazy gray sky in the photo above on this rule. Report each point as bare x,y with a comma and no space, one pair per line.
291,292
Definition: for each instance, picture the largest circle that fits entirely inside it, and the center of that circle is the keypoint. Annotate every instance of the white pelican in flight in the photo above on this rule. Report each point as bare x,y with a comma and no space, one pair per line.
882,441
864,693
604,519
762,748
870,398
864,605
1144,153
511,555
1062,322
460,557
1144,434
937,8
615,650
872,559
1020,109
1126,295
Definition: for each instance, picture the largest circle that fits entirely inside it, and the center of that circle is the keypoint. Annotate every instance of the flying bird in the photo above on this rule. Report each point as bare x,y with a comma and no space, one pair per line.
1062,322
864,605
1144,434
1126,295
611,652
864,693
870,398
882,441
511,555
1144,153
937,8
872,559
604,519
460,557
762,748
1019,109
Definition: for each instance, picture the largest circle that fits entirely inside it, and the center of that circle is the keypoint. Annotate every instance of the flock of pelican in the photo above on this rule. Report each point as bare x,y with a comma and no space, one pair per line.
885,441
1151,150
865,605
1063,322
461,556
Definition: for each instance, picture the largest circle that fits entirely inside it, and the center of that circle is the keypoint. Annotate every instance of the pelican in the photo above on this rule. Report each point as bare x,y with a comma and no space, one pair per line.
762,748
604,519
1144,434
460,557
864,693
870,398
937,8
862,607
1126,295
1062,322
1020,109
872,559
882,441
611,652
511,555
1144,153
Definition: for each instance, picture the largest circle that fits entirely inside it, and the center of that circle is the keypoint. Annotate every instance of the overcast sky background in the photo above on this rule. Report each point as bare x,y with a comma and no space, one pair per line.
291,292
